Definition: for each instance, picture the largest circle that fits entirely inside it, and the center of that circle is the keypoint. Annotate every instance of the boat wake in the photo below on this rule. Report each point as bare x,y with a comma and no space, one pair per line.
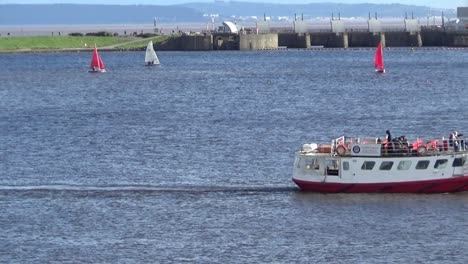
144,188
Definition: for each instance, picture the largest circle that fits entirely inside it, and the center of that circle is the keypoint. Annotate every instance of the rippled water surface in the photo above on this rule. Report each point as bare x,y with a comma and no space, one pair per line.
191,161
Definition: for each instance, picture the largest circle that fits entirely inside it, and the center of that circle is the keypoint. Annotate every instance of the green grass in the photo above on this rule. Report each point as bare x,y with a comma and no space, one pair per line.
59,42
142,43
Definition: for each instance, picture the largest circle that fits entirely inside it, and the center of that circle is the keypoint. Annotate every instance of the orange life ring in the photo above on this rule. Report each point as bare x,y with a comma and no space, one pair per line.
422,150
341,150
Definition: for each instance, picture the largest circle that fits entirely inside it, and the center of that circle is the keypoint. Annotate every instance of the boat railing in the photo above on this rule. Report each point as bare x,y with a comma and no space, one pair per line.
342,146
396,148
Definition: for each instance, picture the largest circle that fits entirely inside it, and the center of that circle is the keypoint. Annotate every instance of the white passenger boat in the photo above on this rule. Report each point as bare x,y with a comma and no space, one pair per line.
366,165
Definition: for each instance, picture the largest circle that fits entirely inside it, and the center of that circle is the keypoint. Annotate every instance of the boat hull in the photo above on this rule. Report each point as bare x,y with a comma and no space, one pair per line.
97,71
448,185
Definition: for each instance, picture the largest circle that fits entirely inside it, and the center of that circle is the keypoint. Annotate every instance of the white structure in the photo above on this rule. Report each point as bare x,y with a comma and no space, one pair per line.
263,27
230,27
374,25
300,26
338,26
412,25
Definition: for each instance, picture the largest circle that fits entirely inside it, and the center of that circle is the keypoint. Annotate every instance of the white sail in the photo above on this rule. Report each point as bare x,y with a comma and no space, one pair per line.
151,57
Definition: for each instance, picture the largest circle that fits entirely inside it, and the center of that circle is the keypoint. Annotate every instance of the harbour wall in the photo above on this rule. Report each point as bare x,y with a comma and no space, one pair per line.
188,43
229,41
258,42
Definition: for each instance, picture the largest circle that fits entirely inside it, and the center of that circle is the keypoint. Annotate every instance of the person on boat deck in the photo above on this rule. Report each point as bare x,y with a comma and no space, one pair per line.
453,139
388,136
458,141
389,144
403,141
403,144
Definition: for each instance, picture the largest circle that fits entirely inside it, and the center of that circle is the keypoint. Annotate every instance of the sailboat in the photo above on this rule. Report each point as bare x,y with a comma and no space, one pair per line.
96,62
379,64
150,57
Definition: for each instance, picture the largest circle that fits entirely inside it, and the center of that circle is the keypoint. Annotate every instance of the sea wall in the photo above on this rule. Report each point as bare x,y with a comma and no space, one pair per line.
294,40
225,41
458,40
188,43
258,42
363,39
230,41
328,39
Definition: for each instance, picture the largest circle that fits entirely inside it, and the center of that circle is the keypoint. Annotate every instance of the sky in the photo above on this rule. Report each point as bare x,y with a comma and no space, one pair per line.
450,4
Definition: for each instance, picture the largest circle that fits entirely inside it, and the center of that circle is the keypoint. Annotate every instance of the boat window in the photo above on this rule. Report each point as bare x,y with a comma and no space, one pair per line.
368,165
422,165
404,165
345,165
298,162
311,164
458,162
332,167
386,165
332,164
440,164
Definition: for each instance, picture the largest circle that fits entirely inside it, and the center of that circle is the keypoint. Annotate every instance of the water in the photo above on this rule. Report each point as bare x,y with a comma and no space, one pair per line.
191,161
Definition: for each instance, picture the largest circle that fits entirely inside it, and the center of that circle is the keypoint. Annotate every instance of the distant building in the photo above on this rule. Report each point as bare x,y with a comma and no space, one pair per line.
462,13
461,23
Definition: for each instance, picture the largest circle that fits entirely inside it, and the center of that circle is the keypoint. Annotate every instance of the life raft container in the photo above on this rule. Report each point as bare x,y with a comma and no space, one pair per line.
324,149
422,150
341,150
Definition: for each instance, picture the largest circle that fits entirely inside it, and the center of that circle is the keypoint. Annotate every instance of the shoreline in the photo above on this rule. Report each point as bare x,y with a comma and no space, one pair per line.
78,50
71,50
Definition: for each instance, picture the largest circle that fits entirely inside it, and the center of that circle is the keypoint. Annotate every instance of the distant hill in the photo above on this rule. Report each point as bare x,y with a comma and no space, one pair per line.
12,14
15,14
234,8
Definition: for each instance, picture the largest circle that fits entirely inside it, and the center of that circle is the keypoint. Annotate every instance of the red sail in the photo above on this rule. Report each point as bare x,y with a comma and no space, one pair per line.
96,61
379,65
101,64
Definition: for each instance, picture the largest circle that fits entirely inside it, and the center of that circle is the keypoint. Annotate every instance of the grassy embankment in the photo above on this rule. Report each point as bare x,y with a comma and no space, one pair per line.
70,42
141,44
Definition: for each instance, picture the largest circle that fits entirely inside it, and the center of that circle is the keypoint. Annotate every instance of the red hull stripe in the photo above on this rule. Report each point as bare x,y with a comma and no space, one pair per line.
458,184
